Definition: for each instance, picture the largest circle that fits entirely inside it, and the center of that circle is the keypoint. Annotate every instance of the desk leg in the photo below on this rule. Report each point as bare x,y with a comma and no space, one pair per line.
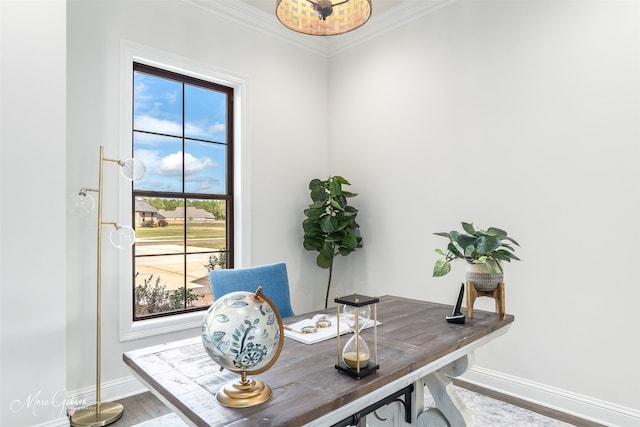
394,414
450,410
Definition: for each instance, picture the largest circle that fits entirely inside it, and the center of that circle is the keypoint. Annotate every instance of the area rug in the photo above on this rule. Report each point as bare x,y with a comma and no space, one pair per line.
486,412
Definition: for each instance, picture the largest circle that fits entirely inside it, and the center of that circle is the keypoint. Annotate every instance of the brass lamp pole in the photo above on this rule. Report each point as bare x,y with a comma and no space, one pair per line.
104,413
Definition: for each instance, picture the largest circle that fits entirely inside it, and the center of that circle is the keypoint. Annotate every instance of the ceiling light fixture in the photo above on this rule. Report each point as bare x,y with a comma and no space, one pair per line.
323,17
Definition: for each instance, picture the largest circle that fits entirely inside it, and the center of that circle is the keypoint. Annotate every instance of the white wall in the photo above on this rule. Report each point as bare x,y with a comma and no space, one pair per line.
32,212
546,91
287,99
520,115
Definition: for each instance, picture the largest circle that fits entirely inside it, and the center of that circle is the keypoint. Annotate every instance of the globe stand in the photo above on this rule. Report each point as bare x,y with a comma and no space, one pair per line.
100,414
238,333
243,393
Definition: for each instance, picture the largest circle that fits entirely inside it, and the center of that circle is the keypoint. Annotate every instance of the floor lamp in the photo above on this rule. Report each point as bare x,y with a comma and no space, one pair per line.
122,237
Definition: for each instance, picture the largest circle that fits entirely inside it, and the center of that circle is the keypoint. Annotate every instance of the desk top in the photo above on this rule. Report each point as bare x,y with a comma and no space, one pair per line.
306,386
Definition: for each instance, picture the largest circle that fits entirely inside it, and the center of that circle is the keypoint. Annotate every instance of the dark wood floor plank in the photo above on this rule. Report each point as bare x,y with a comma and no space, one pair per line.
139,408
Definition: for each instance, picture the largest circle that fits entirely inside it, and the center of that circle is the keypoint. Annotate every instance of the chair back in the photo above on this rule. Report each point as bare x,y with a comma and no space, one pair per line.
272,277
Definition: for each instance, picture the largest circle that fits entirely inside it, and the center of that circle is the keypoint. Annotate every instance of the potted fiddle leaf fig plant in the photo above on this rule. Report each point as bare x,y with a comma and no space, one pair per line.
330,226
483,250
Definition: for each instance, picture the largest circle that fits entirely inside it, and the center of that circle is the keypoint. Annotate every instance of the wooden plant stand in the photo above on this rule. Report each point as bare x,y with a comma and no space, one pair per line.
497,294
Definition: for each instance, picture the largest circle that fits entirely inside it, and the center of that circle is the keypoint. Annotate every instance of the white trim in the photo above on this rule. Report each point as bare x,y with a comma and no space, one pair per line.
109,392
130,52
585,407
379,23
407,11
264,22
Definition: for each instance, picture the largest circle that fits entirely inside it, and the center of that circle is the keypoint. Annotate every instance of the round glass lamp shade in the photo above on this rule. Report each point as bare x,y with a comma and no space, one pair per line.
133,169
122,237
80,203
242,332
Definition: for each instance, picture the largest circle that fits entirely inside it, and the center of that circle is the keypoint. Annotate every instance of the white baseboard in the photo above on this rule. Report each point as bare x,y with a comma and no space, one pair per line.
110,391
585,407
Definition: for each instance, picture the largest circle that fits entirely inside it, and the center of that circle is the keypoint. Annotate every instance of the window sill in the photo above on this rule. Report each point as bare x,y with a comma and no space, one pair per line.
161,325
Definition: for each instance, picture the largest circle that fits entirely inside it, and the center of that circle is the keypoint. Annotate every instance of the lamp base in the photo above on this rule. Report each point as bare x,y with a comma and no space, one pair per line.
243,394
97,415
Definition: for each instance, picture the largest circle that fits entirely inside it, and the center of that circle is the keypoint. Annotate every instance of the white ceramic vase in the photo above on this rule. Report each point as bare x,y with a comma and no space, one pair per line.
478,274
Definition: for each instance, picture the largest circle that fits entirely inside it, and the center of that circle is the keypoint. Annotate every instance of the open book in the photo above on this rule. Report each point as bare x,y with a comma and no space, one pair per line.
294,330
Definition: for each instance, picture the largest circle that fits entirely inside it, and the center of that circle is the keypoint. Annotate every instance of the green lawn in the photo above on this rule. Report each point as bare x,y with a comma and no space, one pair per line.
173,232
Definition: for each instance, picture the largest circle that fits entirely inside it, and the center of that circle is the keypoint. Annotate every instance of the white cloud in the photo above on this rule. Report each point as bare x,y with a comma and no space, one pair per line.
141,97
202,184
217,127
171,165
171,96
192,130
194,165
152,124
150,158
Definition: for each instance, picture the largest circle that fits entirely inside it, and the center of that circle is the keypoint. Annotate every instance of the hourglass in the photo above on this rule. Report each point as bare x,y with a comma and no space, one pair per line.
349,316
354,359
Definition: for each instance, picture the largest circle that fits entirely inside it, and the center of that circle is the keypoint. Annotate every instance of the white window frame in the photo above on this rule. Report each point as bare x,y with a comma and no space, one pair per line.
131,52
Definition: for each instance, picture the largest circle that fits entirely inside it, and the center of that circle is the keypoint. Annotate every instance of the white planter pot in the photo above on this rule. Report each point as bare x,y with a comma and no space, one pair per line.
478,274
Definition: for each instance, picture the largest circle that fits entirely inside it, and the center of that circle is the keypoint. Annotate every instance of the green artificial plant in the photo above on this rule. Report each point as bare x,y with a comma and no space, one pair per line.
330,226
476,246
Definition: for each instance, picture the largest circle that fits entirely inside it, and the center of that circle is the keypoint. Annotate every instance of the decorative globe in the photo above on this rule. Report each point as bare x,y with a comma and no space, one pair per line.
242,332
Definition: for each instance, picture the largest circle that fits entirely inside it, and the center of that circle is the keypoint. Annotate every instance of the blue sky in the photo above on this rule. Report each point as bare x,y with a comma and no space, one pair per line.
158,108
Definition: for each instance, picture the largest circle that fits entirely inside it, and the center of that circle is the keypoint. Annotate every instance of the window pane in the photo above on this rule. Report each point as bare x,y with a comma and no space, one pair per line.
205,112
157,104
159,282
205,168
162,157
181,131
159,226
198,287
206,227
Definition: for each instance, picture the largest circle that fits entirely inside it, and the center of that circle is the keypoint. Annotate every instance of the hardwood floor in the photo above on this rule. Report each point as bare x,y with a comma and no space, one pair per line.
139,408
145,406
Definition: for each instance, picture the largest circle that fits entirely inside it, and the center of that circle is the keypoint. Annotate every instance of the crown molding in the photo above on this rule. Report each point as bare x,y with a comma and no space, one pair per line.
405,11
262,21
259,20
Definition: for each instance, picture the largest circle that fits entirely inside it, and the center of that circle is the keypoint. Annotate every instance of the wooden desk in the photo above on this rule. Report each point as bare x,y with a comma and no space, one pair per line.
416,347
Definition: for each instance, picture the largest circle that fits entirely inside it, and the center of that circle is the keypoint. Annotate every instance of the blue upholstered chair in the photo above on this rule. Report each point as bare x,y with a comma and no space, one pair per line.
272,277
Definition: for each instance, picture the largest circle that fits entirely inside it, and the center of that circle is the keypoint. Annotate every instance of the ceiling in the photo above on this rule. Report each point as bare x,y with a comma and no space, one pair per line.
260,15
269,6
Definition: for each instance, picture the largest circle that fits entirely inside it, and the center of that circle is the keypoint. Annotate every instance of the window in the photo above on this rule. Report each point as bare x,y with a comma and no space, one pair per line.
183,208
